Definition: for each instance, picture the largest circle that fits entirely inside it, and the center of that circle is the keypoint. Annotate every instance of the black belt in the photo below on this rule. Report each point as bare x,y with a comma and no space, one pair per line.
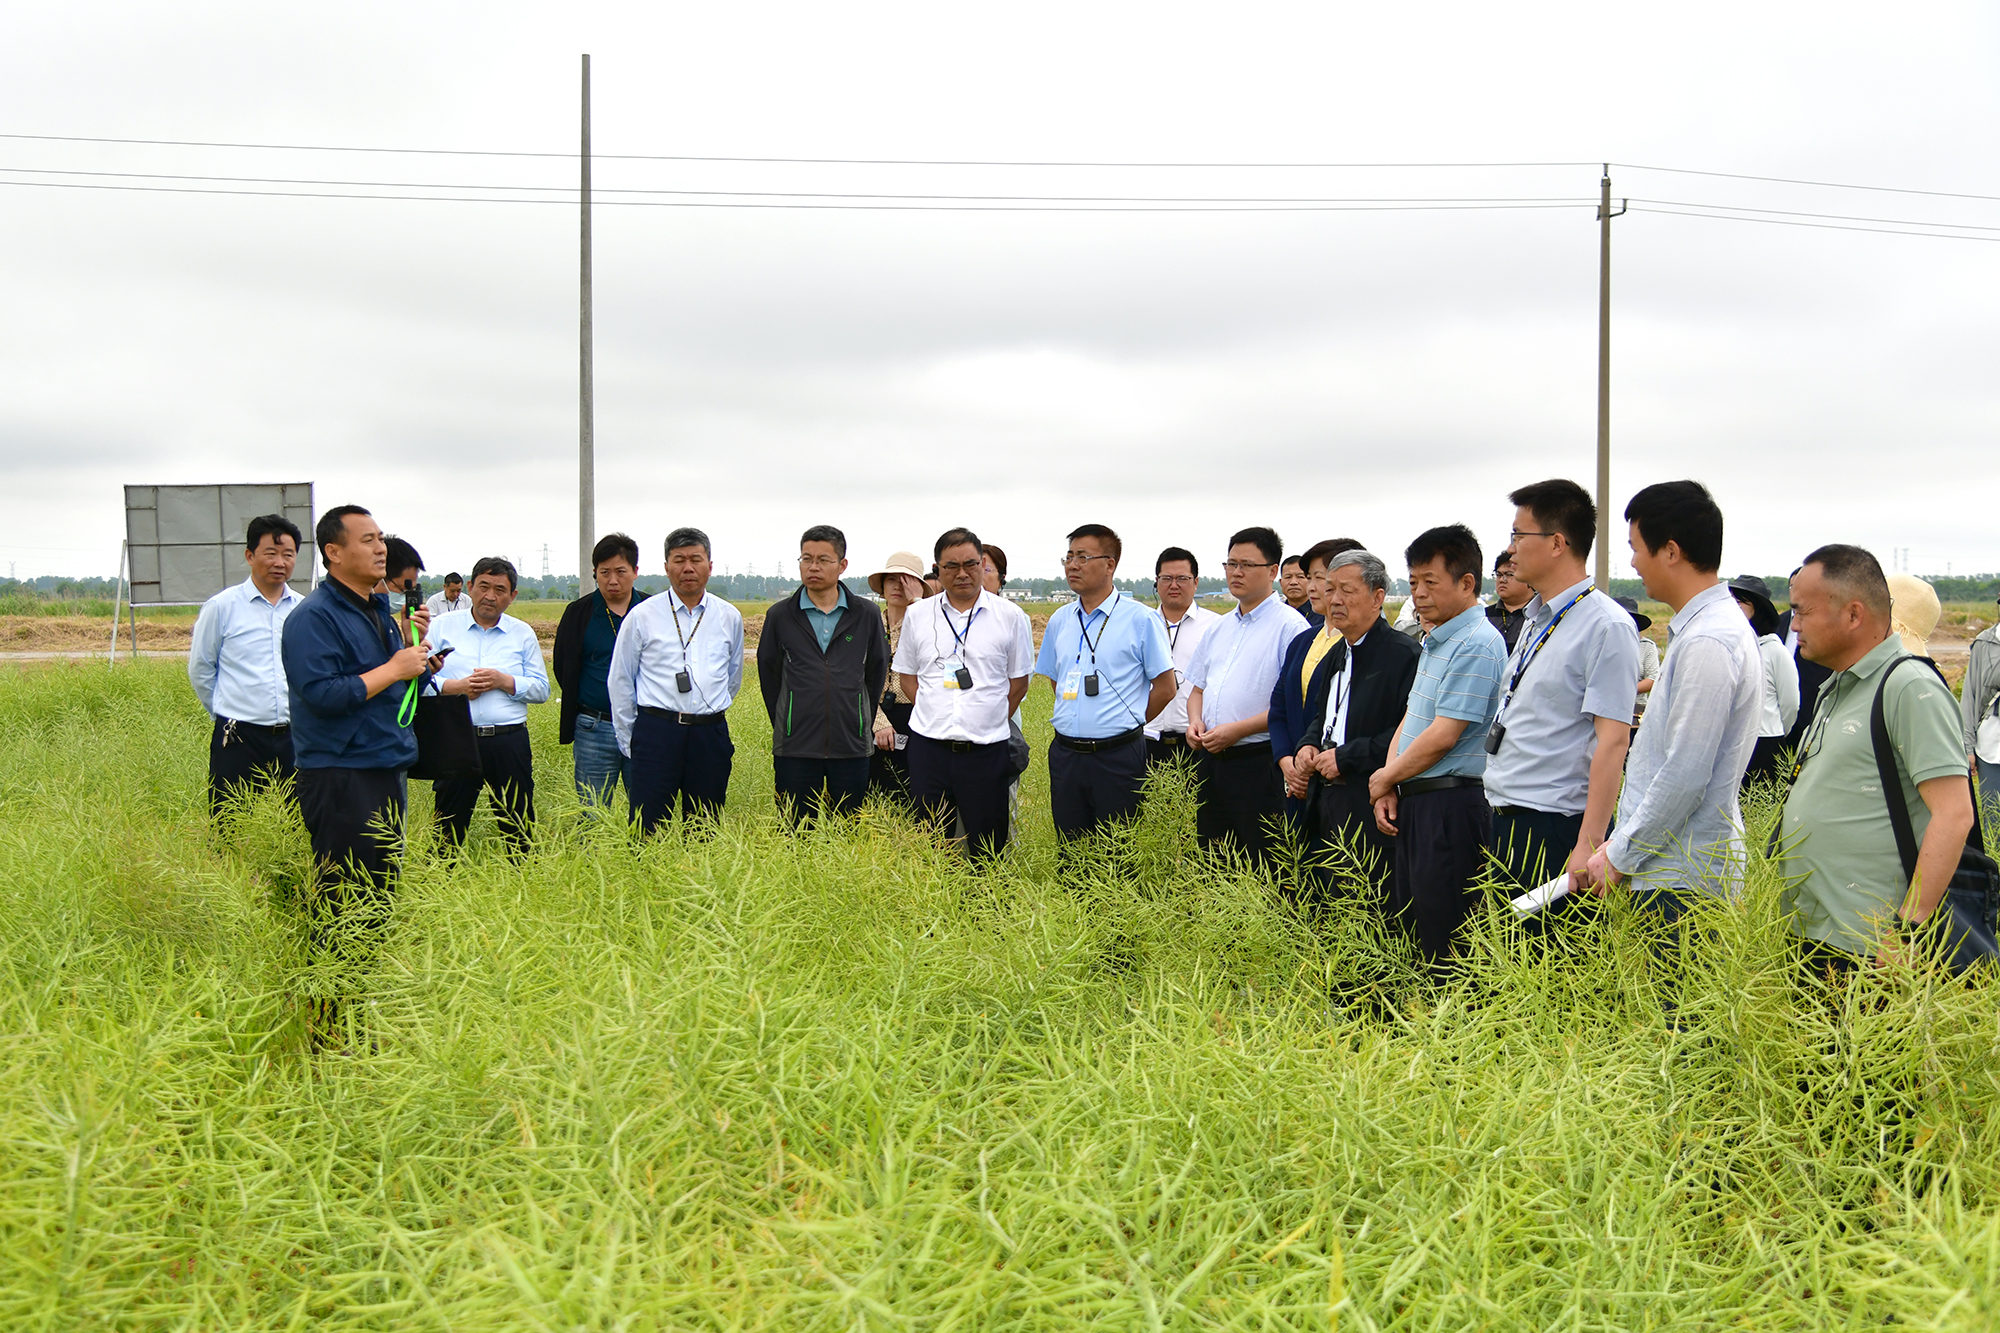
1244,750
957,747
501,730
1512,810
1422,785
685,719
1082,746
259,726
1173,738
597,713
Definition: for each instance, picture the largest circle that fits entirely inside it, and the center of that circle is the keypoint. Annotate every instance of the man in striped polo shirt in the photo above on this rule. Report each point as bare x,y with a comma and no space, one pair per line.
1431,796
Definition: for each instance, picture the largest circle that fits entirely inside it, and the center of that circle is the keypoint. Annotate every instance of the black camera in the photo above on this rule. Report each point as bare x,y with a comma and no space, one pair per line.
1090,685
413,598
964,678
683,681
1494,736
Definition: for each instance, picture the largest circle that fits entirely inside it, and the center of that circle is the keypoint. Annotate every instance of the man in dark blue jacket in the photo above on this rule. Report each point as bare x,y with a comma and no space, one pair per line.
1301,685
345,664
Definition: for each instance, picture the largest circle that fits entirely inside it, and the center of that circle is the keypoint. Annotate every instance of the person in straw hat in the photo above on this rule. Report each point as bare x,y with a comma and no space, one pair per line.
899,583
1913,612
1781,675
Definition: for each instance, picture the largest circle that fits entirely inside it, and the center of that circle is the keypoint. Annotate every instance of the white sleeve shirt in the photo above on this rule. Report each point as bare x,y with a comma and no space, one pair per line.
995,644
663,636
510,646
235,662
1183,637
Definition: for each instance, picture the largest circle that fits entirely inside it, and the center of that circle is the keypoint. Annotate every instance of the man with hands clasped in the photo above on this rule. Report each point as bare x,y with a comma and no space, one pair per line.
496,662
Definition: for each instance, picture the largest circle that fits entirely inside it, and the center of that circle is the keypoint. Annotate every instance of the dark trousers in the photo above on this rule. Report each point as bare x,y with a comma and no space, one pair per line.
1533,846
677,764
1441,841
889,770
838,786
1169,747
507,768
1340,815
1666,906
243,755
1238,796
355,819
1764,759
950,778
1090,788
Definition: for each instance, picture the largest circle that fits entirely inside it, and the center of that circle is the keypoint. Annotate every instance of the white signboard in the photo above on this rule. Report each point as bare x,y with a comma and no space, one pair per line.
185,543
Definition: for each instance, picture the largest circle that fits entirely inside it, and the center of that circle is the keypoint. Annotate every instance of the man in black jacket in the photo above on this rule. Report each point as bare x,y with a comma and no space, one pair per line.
585,639
822,659
1347,737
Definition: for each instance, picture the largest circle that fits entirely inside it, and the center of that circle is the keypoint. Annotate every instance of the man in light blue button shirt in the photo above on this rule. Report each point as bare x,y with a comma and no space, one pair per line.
674,673
1108,660
236,665
496,661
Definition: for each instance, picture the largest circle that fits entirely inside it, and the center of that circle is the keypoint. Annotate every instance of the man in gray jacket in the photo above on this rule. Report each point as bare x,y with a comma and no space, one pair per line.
822,659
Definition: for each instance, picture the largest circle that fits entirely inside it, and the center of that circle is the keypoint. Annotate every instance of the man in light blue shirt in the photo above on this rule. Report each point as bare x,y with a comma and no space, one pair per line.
1239,790
1566,706
1108,660
496,661
1430,796
674,673
236,665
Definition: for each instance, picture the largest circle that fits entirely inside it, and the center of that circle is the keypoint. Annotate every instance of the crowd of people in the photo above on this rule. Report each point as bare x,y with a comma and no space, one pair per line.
1541,734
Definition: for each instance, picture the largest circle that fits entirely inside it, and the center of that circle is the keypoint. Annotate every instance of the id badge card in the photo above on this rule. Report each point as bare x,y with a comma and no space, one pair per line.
956,677
1072,683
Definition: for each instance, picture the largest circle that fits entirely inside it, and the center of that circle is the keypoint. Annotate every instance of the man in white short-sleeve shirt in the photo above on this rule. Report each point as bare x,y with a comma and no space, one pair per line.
1174,576
964,658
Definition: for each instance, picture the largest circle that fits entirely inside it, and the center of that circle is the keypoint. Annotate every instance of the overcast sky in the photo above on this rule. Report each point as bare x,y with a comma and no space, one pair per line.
1177,375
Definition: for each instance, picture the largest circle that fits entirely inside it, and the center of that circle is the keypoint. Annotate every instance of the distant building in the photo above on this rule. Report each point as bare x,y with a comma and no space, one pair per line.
1017,594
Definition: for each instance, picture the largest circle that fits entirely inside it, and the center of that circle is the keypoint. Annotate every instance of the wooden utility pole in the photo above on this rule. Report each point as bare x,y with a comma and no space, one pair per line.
586,442
1604,216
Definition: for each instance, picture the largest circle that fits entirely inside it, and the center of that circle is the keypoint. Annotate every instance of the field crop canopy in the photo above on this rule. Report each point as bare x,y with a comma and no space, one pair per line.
838,1080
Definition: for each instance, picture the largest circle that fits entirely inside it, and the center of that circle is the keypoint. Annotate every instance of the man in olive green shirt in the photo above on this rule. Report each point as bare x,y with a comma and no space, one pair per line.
1846,885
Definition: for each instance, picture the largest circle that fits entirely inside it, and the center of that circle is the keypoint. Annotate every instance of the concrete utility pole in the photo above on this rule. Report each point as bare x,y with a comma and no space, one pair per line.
1604,216
586,441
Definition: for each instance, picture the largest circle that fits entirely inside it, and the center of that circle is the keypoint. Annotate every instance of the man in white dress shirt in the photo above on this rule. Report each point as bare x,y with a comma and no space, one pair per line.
1240,790
497,661
453,598
1175,574
237,669
964,658
674,673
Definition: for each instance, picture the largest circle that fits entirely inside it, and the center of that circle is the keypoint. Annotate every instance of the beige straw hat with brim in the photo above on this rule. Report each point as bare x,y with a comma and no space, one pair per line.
1913,612
902,562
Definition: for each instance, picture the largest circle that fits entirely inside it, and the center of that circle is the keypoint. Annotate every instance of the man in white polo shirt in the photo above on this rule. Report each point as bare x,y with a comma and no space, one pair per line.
1174,575
964,657
497,661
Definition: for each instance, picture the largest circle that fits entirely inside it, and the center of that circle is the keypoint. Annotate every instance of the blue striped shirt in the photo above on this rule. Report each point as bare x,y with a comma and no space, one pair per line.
1458,676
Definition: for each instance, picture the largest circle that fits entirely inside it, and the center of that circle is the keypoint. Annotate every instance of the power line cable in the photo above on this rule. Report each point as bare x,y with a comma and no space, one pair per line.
1789,180
1794,222
1830,217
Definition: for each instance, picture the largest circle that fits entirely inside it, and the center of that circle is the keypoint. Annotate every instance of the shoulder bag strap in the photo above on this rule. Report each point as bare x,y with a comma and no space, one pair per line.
1885,766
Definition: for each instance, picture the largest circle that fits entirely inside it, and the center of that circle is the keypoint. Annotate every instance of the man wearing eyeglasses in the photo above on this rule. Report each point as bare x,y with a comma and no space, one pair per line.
1565,720
1175,572
1109,662
963,658
822,660
1240,794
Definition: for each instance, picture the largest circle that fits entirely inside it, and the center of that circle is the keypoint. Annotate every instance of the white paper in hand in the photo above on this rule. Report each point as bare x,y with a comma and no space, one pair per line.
1540,900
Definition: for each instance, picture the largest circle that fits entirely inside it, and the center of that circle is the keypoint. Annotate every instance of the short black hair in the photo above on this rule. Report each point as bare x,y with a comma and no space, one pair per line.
1502,560
1560,505
402,556
273,526
825,532
1326,550
1457,545
1105,538
454,577
682,538
999,559
1266,542
1856,576
1177,553
611,545
497,564
1684,513
1289,561
331,530
954,537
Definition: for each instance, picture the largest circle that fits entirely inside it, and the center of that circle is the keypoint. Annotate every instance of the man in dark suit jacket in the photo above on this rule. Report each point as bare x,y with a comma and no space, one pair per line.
585,638
1301,683
1349,735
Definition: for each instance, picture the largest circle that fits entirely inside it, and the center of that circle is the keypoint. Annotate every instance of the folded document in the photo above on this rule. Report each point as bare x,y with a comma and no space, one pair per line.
1540,900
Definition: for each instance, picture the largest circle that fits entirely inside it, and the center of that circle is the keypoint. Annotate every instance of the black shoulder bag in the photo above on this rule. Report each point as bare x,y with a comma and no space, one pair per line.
447,746
1966,934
